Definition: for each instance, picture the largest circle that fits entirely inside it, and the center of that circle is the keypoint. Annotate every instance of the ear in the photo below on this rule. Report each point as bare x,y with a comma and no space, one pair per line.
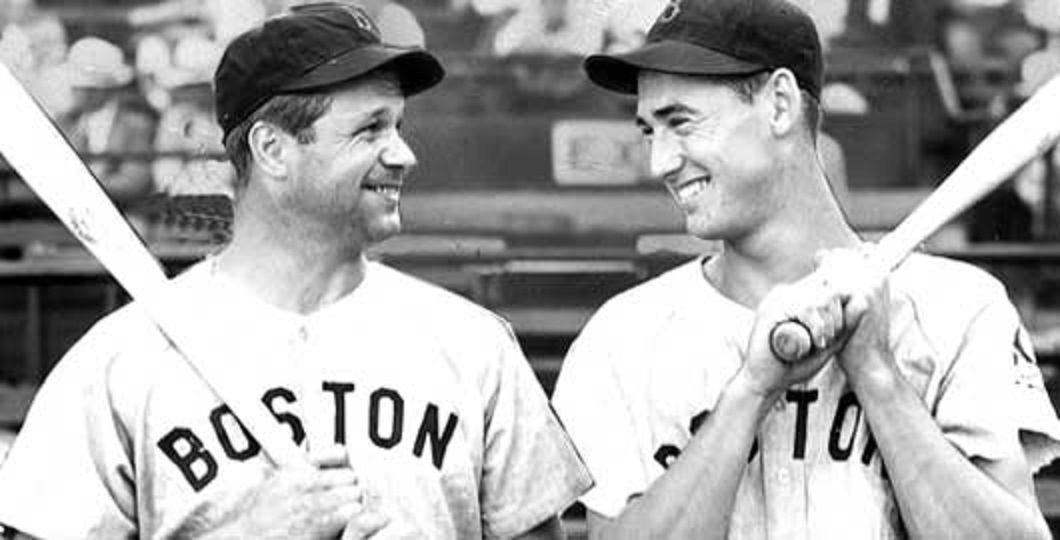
268,146
785,101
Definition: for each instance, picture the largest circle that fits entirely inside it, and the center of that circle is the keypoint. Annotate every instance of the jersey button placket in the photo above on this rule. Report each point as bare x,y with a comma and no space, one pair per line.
305,373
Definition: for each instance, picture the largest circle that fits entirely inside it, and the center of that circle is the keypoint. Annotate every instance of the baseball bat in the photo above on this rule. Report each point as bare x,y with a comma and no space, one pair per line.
46,161
1027,133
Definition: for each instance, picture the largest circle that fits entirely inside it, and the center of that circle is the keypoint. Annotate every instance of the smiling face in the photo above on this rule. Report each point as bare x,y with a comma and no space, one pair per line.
347,180
712,149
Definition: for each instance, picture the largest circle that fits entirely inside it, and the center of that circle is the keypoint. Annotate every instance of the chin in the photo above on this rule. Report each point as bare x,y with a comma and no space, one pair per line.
383,230
703,228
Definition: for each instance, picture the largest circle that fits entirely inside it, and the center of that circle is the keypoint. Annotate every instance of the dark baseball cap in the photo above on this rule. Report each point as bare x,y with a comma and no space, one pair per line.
719,37
311,46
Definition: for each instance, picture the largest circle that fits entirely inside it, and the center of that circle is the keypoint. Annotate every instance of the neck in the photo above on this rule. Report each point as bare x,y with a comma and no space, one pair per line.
782,249
285,265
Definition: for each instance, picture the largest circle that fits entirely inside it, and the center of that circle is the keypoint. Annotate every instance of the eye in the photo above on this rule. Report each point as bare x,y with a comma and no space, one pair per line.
678,122
371,128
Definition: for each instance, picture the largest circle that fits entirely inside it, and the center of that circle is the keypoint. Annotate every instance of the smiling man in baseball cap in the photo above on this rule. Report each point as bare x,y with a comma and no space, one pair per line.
916,409
442,428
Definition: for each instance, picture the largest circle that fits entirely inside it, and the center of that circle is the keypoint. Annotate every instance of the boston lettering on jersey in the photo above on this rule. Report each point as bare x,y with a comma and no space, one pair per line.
387,416
841,437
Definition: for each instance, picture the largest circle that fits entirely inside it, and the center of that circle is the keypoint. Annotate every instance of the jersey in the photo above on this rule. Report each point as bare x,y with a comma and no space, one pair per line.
441,412
651,364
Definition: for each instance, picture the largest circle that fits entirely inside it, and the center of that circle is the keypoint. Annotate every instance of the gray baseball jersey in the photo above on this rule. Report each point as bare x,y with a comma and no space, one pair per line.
440,410
651,364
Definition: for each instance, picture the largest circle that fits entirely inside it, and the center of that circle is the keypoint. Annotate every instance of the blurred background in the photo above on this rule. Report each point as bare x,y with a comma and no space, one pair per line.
531,197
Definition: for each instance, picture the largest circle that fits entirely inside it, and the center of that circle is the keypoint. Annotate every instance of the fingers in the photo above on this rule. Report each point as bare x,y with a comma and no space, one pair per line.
364,523
815,307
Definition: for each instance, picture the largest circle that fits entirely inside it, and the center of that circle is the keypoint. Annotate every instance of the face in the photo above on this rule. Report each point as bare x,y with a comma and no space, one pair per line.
348,181
711,149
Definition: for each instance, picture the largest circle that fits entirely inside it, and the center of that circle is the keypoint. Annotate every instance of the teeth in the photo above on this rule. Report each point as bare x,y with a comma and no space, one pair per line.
691,189
383,189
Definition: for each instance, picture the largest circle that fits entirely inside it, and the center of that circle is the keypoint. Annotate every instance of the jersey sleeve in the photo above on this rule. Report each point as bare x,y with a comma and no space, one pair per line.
531,470
589,401
68,474
994,393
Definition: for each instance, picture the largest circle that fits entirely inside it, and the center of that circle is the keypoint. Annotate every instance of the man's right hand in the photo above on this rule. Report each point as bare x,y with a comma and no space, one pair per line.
326,502
811,302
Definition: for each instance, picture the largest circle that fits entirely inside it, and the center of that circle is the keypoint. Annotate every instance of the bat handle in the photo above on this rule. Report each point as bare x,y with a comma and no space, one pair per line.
790,341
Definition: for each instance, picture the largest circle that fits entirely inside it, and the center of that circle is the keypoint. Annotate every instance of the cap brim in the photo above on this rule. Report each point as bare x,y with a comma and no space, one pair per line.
416,69
618,72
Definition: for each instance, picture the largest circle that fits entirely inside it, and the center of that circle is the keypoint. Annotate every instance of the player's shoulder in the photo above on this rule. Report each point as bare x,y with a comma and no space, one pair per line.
652,299
948,296
932,280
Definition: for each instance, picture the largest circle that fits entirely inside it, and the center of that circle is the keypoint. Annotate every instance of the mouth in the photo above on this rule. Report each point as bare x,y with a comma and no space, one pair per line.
691,188
385,189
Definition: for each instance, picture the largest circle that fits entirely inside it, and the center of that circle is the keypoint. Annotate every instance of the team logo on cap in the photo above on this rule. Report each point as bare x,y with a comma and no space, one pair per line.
364,22
670,11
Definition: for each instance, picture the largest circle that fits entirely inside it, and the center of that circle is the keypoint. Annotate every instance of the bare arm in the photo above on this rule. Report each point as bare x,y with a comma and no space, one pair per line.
940,493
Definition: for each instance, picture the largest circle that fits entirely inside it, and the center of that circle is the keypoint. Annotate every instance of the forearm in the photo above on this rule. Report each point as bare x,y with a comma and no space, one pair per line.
940,493
694,499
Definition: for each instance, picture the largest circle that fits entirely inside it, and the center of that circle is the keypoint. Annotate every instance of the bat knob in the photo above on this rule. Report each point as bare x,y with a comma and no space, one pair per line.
790,341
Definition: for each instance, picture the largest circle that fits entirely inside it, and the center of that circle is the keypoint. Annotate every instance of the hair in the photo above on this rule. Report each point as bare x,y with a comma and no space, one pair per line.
747,87
294,113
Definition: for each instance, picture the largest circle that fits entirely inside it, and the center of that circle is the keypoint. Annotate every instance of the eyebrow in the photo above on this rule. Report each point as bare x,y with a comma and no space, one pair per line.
666,111
363,118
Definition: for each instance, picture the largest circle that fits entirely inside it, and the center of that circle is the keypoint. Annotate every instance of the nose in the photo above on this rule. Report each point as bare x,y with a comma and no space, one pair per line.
398,154
666,158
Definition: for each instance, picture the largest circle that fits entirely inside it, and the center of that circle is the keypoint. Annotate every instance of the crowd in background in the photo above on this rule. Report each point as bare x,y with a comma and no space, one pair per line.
149,95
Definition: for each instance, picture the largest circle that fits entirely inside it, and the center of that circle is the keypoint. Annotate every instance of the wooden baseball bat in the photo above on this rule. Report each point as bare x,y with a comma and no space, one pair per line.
1026,134
45,160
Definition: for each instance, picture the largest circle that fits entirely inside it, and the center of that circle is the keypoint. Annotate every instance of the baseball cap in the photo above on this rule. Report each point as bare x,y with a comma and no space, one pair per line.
311,46
719,37
96,63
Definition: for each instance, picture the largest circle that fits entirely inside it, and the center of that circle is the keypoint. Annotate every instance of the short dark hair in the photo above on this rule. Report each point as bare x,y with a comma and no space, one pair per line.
747,86
294,113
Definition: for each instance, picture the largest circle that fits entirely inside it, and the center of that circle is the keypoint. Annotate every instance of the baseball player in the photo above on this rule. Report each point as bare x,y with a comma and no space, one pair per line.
442,429
920,413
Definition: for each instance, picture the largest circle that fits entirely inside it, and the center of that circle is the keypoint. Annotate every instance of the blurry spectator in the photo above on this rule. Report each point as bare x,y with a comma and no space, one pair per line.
109,118
843,98
1042,65
830,16
226,18
536,27
980,32
613,26
33,45
168,60
229,18
963,43
187,127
